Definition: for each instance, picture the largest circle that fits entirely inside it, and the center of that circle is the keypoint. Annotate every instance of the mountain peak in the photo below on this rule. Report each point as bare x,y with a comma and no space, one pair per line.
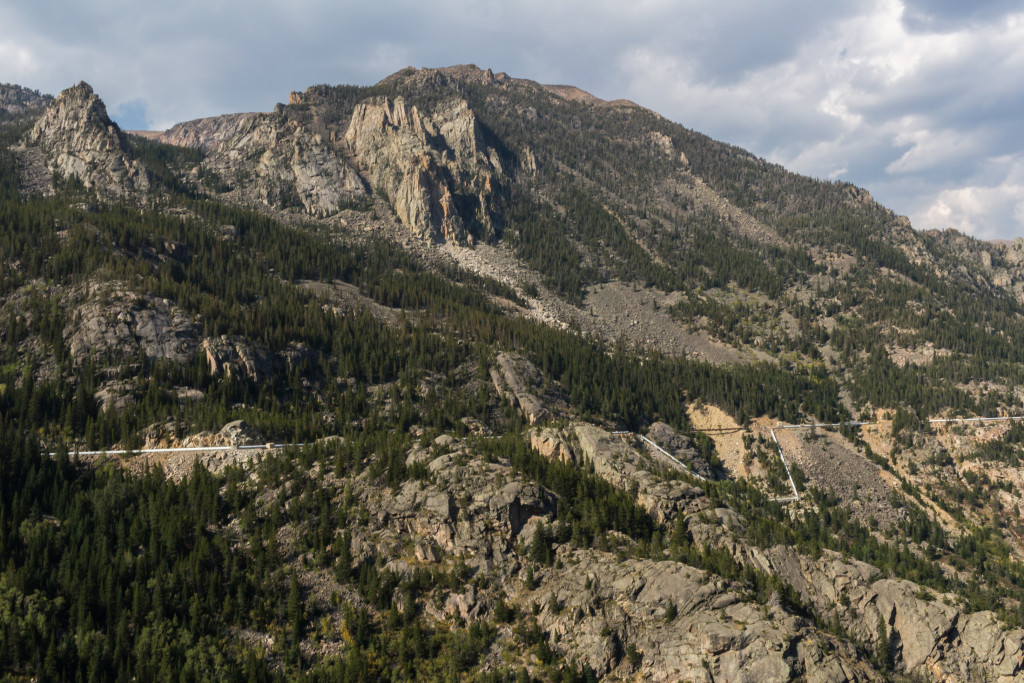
80,90
78,139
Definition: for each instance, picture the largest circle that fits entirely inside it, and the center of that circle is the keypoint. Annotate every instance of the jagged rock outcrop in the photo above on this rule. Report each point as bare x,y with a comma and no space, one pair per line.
115,396
238,433
436,170
15,99
233,356
119,323
592,606
552,443
237,356
615,459
479,511
79,140
284,162
474,74
603,605
427,165
931,636
1007,270
681,447
518,380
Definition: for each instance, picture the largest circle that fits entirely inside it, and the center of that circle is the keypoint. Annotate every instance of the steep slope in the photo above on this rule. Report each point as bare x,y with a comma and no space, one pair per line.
80,141
578,200
15,100
435,170
471,497
768,261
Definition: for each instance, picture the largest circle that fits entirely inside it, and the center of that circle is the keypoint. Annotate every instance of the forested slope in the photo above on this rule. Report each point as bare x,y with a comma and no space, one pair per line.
433,527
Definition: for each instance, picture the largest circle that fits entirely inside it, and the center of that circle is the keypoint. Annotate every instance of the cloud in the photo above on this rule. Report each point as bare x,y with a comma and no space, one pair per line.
911,112
18,57
929,149
984,211
908,98
930,15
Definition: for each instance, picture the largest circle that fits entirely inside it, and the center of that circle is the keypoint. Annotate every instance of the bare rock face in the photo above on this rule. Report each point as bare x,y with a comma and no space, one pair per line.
120,323
15,99
552,443
283,162
115,396
930,636
238,433
717,635
1010,273
681,447
615,459
321,181
475,510
207,134
441,178
519,381
78,139
422,162
232,356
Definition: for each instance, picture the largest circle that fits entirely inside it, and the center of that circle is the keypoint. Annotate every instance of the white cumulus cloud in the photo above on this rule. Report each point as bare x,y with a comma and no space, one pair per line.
985,211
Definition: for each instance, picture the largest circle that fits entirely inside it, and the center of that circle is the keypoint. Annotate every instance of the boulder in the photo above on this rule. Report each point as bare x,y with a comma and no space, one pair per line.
238,433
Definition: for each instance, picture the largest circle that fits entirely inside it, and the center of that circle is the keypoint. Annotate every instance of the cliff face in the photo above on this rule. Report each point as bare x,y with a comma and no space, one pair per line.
427,165
78,139
435,169
207,134
269,160
15,99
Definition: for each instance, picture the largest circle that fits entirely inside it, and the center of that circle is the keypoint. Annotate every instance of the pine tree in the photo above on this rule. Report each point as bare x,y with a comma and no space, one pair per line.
540,552
883,646
671,612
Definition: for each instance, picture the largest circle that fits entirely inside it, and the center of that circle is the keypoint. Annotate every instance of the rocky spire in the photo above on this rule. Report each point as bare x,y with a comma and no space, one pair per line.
418,160
78,139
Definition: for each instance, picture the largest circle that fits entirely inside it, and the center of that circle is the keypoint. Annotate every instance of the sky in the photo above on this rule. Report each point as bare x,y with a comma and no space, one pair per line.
921,103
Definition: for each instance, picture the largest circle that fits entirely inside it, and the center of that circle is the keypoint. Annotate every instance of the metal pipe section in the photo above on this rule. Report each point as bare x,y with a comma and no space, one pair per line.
792,485
670,456
189,449
980,419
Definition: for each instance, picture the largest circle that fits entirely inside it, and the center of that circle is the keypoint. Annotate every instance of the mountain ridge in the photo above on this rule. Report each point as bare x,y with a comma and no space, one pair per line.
464,295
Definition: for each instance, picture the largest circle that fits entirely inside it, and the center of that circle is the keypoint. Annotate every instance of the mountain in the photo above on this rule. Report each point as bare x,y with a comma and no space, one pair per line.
529,351
15,99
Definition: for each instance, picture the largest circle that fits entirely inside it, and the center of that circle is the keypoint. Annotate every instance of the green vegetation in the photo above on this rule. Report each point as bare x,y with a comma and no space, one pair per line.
109,576
180,586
